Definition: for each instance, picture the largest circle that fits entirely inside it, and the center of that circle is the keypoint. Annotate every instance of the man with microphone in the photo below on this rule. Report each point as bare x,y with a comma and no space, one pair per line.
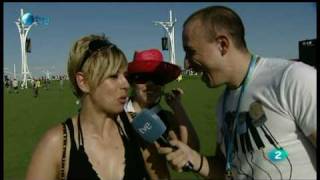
267,117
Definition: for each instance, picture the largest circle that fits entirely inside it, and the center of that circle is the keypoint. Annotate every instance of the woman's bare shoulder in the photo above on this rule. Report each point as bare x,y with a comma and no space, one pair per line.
47,155
53,137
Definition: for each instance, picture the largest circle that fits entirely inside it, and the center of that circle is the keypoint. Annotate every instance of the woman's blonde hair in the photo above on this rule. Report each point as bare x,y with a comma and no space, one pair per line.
97,58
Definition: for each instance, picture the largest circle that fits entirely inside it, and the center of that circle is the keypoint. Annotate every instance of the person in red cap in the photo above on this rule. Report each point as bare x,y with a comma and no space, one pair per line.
147,74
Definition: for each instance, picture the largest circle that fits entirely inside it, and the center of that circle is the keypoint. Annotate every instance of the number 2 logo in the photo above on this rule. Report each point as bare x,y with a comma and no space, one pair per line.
276,155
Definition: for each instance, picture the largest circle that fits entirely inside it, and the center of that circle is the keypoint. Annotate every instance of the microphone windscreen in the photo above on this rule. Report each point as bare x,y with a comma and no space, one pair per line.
148,125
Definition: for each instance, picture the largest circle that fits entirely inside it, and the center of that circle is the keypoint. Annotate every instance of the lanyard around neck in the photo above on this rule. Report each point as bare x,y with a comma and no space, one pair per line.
228,140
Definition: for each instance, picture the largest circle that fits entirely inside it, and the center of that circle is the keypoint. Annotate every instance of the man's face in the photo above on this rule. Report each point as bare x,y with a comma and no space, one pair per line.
202,55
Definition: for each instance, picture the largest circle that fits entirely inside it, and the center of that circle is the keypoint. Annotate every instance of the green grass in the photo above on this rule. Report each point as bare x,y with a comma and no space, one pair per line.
26,119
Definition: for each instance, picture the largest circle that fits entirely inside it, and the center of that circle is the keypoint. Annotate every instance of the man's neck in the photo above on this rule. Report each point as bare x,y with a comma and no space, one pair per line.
241,63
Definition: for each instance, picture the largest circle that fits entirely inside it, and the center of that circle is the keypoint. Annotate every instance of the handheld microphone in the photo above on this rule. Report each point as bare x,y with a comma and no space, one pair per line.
151,128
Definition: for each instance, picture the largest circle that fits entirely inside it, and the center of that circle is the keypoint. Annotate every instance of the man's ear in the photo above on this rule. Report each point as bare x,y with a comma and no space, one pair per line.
82,82
223,44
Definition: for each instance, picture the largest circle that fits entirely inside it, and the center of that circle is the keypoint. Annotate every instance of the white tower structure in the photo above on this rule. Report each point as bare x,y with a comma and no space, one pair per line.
23,32
14,71
24,23
168,26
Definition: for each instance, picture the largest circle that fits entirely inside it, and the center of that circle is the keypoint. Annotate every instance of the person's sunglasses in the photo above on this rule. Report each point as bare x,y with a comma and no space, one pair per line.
95,45
144,78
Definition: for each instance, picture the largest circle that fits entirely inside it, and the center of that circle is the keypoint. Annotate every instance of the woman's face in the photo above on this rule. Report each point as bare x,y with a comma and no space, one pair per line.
111,95
147,93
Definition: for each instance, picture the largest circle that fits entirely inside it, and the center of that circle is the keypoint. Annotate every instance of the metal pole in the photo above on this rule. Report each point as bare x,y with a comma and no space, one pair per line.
169,28
21,42
172,46
14,71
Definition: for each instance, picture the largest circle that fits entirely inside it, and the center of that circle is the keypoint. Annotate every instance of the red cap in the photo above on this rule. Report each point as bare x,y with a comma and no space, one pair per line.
151,62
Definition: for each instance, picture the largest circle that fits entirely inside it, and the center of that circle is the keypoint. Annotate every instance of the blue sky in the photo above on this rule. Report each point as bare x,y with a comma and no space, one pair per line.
272,29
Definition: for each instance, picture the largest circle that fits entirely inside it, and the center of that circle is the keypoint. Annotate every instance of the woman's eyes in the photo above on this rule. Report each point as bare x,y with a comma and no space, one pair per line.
114,76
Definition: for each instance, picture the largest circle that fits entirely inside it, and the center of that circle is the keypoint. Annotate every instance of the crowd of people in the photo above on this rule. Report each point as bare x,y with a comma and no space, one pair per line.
267,113
13,85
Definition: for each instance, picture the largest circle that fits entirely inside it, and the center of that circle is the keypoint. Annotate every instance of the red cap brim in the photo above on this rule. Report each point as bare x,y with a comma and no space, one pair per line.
167,71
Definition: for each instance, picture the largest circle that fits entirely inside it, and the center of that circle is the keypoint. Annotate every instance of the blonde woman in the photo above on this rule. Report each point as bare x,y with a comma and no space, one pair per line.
95,143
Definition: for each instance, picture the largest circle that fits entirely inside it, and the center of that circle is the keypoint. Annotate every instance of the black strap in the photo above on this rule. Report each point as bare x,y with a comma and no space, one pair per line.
255,135
80,135
235,144
71,130
274,144
248,142
64,147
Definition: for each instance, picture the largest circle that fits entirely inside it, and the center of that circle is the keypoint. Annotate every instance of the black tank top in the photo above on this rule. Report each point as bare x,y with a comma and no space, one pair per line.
81,169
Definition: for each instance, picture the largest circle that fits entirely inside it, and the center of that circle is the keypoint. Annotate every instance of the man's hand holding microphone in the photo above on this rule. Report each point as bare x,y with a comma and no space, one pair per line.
181,155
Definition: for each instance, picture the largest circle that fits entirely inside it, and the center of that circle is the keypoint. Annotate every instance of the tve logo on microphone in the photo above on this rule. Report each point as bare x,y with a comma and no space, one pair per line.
147,126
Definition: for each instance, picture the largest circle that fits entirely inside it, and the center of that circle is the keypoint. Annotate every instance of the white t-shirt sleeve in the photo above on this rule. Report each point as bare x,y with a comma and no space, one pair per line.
299,90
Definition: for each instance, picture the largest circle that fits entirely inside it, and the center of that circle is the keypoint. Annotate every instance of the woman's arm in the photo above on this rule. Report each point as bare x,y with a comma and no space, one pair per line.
187,133
46,158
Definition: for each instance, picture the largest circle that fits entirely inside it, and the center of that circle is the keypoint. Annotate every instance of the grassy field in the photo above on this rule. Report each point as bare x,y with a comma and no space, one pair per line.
26,118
